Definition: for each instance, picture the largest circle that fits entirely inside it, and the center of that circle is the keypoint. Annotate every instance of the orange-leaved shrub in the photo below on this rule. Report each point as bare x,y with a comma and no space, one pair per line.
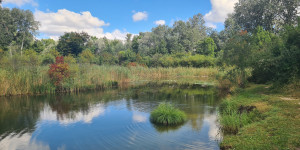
59,71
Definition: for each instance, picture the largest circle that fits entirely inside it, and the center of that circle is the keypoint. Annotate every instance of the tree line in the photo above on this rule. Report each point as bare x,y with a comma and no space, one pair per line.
260,35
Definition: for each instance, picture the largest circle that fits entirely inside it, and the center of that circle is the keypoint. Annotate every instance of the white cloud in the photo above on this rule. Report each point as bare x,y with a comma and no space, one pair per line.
219,12
20,2
22,141
138,117
160,22
139,16
214,130
55,24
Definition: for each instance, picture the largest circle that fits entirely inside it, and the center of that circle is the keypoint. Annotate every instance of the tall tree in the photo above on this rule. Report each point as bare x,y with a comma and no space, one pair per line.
206,47
237,53
7,28
190,32
72,43
270,14
26,26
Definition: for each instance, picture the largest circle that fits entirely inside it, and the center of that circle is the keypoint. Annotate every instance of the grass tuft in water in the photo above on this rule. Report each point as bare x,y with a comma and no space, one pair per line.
167,114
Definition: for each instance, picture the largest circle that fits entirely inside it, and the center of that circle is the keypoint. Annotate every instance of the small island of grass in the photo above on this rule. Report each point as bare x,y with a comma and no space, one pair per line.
167,114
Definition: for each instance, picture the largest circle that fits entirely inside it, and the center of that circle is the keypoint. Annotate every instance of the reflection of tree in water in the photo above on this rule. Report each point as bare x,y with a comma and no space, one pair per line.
68,105
195,101
18,115
162,129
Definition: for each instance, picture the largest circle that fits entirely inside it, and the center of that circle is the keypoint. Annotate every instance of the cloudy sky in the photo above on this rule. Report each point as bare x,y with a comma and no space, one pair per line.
116,18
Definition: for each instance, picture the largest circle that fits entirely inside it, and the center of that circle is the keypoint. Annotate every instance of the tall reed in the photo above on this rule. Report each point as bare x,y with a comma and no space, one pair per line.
35,79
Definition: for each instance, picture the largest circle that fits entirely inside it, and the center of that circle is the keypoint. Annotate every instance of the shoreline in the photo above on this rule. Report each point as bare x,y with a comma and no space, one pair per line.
273,124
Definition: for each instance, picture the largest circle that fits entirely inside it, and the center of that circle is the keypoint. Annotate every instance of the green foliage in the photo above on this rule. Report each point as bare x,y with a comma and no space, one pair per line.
167,114
271,16
108,58
48,59
206,47
232,120
277,59
127,55
70,59
87,57
7,27
18,26
72,43
26,27
237,53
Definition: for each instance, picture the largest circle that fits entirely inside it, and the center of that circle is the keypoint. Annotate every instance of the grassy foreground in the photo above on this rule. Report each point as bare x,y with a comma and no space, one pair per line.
256,118
35,79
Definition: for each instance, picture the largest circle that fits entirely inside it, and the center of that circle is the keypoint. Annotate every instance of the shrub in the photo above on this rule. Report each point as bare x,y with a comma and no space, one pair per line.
87,57
58,71
234,117
167,114
48,59
69,59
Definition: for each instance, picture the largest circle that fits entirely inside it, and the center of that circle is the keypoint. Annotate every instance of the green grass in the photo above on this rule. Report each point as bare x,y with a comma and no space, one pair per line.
167,114
274,124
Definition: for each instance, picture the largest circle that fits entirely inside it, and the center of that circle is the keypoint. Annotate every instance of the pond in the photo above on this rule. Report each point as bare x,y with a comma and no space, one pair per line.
110,119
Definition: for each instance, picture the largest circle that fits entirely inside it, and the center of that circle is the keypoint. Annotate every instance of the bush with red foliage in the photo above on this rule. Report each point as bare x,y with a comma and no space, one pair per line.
59,71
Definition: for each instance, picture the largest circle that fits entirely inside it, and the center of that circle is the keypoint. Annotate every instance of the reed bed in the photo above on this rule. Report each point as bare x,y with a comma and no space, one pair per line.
35,80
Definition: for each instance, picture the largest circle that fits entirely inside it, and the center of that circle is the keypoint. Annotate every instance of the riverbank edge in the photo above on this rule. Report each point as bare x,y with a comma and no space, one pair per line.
119,85
276,125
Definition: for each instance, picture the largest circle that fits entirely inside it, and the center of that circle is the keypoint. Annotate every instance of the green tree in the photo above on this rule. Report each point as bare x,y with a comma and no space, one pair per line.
135,44
127,56
7,28
72,43
237,53
271,15
206,47
26,27
87,57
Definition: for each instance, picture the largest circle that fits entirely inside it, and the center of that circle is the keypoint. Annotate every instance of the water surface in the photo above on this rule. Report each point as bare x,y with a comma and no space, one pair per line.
111,119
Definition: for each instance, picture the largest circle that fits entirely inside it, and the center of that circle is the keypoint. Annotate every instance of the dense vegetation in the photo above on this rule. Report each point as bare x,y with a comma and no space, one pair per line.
167,114
260,43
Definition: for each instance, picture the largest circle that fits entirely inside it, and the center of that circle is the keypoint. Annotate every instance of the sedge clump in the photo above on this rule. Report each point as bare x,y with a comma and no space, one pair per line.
167,114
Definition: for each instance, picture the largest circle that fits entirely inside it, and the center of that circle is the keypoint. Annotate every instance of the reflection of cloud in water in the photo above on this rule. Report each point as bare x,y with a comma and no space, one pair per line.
213,132
138,117
14,142
72,117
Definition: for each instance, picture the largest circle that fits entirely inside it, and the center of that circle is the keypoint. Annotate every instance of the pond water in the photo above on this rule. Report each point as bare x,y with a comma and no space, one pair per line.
111,119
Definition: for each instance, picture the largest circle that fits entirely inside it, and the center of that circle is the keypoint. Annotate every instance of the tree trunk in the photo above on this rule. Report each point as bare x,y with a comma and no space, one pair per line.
22,45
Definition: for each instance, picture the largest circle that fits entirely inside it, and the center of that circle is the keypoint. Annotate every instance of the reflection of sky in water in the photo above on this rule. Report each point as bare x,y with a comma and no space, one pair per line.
139,117
212,122
24,142
118,124
72,117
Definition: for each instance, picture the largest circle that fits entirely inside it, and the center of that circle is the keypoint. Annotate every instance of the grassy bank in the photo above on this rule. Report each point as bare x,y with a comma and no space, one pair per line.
35,79
257,118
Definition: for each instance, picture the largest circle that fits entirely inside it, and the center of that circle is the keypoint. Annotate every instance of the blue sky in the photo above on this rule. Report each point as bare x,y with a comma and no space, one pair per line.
116,18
